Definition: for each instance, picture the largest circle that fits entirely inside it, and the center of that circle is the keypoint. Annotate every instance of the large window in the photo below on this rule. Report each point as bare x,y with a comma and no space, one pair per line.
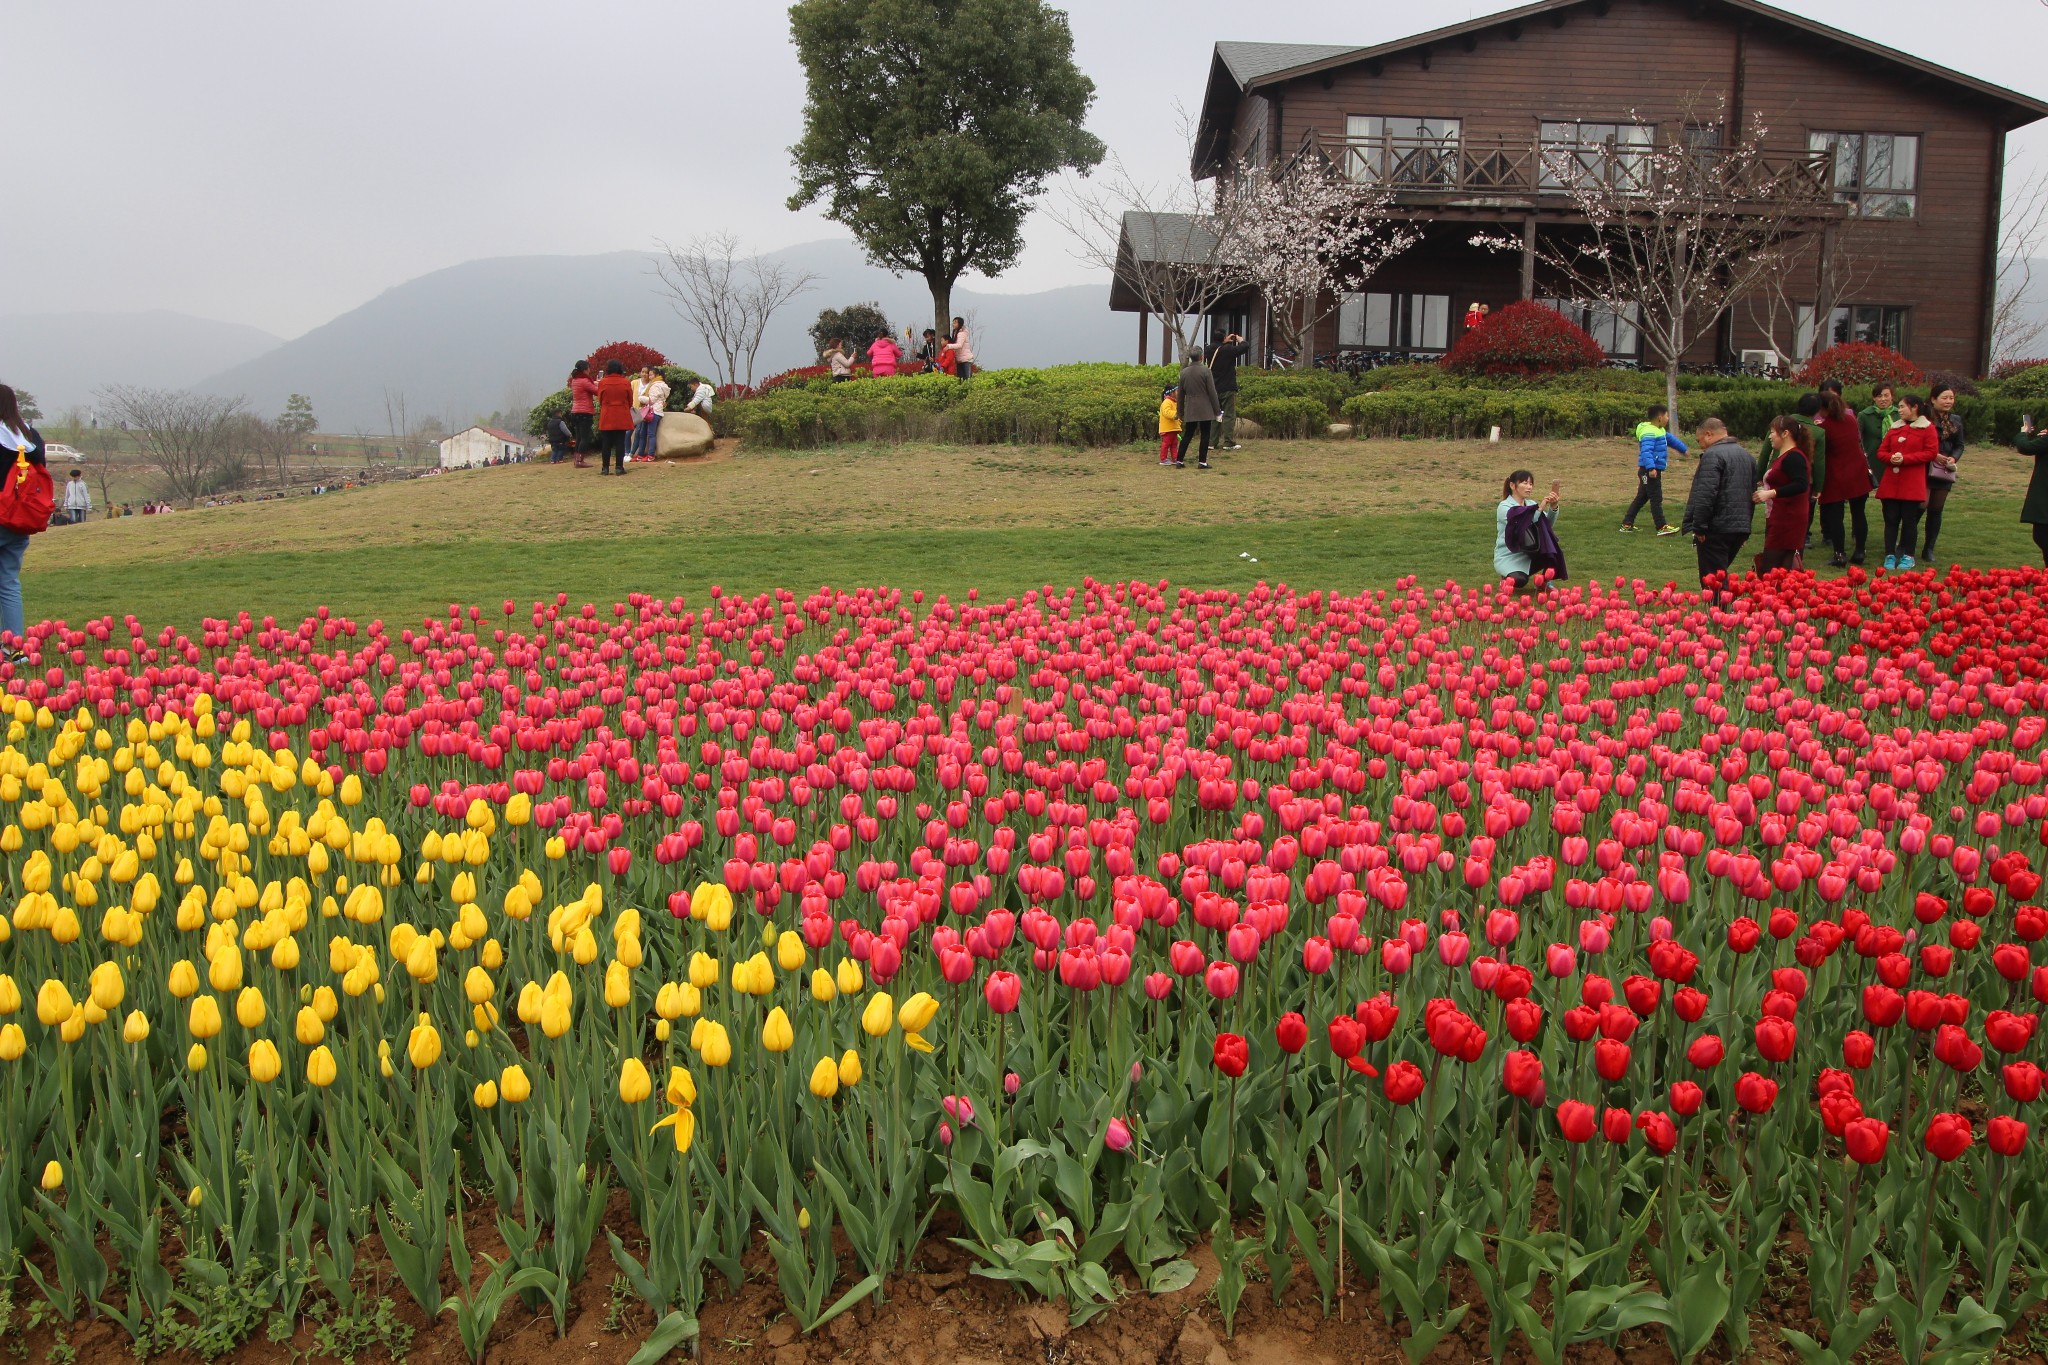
1596,154
1876,174
1884,324
1394,322
1614,328
1402,151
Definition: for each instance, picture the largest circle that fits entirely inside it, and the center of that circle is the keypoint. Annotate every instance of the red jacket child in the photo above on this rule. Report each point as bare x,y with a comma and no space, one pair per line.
1915,447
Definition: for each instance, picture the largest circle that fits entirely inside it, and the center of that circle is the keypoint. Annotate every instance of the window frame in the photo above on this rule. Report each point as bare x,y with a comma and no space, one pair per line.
1607,154
1394,155
1404,318
1599,321
1862,196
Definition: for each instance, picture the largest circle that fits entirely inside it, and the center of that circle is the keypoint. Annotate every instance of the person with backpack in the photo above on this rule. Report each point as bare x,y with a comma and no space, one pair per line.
25,506
560,439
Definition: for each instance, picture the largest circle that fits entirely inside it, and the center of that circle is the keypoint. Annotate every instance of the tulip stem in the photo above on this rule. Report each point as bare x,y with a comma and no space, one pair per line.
1337,1147
1848,1230
1562,1293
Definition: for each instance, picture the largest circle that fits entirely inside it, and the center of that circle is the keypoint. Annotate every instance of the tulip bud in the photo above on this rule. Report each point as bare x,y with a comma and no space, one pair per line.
776,1033
635,1084
264,1063
320,1067
423,1046
513,1085
249,1009
1118,1136
849,1068
880,1013
53,1176
195,1057
825,1078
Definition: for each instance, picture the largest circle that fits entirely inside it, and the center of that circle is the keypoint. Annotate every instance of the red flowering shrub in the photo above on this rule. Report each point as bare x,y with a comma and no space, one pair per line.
2006,369
1861,362
1524,340
631,354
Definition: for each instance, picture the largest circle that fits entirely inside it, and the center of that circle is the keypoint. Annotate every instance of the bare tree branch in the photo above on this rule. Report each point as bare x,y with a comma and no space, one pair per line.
187,436
2022,230
727,297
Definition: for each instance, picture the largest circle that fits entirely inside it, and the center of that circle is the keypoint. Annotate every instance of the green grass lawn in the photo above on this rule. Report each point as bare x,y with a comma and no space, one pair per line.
1340,515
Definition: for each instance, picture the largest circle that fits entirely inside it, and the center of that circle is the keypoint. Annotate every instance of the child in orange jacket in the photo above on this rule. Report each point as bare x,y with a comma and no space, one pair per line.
1903,457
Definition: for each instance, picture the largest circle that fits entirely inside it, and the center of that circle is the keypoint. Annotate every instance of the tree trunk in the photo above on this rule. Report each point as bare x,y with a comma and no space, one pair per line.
942,306
1671,392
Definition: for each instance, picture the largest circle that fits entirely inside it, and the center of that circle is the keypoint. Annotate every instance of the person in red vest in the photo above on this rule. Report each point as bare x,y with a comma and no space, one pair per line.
614,417
1907,450
1786,493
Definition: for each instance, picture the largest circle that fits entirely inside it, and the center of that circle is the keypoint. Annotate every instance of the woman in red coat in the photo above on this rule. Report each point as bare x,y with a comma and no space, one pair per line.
1786,493
1845,480
1904,455
614,417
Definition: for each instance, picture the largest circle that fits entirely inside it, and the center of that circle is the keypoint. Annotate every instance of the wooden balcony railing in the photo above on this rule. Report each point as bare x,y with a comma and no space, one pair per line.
1422,169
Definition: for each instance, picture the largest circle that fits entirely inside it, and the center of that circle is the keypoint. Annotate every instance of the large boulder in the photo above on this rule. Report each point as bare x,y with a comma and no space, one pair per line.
682,434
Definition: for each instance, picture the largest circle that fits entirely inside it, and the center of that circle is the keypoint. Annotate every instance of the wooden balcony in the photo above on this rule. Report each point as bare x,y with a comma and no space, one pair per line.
1474,174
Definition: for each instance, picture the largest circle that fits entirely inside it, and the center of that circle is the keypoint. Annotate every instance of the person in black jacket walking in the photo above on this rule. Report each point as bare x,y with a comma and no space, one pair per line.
1719,510
1224,358
1199,406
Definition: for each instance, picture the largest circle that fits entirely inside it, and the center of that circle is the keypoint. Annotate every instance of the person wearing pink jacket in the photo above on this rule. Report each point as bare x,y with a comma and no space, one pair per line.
883,356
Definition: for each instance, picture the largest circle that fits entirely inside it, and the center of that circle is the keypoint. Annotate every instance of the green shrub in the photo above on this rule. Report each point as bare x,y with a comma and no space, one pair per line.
1288,417
1321,385
2029,383
1472,412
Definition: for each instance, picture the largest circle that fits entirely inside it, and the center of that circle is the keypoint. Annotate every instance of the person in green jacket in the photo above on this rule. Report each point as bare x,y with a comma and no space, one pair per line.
2034,511
1881,416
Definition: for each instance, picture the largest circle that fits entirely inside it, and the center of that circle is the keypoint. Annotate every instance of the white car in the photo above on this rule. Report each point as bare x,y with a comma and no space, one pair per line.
56,451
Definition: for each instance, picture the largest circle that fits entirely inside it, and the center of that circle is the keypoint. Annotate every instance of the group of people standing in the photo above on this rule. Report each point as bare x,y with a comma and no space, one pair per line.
1824,463
1201,404
617,415
954,355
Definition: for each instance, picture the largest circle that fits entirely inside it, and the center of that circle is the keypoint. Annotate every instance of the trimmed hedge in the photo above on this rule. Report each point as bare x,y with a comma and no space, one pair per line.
1109,405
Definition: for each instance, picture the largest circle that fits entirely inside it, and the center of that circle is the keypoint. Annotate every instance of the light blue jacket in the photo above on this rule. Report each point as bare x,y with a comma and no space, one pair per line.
1653,444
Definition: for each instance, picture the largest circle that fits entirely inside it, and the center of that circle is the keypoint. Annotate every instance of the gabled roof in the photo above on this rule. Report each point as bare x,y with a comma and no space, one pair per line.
498,433
1240,69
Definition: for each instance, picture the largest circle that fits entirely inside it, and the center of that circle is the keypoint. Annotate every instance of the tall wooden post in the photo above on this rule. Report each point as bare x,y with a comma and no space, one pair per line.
1529,257
1165,340
1144,326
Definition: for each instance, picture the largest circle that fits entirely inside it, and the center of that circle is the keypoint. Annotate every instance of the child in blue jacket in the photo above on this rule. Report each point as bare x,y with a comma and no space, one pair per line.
1654,442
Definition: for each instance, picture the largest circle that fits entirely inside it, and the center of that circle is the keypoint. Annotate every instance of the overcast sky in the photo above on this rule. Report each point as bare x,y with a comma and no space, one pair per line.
279,163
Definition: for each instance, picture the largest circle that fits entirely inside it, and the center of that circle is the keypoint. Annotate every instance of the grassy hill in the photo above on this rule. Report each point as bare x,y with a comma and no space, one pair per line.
1001,519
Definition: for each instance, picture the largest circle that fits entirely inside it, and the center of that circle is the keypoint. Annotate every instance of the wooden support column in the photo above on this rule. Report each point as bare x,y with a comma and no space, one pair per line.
1165,340
1529,257
1144,326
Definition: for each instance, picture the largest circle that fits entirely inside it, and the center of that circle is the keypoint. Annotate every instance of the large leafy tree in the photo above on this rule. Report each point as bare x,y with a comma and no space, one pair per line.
931,125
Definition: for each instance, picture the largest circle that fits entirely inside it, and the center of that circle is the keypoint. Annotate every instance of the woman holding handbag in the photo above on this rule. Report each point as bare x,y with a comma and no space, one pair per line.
1786,493
26,501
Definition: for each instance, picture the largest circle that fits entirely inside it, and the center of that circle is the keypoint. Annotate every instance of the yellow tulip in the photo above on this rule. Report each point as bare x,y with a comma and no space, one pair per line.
879,1016
478,986
668,1001
703,970
264,1063
204,1019
917,1041
224,972
682,1087
618,985
684,1124
851,982
513,1084
53,1003
184,981
195,1057
776,1034
107,986
10,994
249,1007
825,1078
325,1005
528,1005
849,1067
485,1095
518,810
135,1028
789,950
423,1046
635,1084
307,1027
917,1011
822,989
53,1176
13,1042
194,1197
716,1047
320,1068
555,1015
421,962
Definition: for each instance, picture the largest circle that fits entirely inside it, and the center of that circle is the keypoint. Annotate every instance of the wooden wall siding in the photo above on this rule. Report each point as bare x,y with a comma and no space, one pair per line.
1641,59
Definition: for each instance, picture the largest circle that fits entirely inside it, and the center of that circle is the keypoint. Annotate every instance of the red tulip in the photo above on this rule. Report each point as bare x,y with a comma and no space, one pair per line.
1616,1125
1706,1051
1402,1082
1347,1036
1866,1139
2007,1136
1221,980
1686,1098
1859,1049
1002,990
1658,1131
1292,1032
1775,1039
1522,1075
1949,1136
1232,1055
1576,1120
1755,1093
2023,1081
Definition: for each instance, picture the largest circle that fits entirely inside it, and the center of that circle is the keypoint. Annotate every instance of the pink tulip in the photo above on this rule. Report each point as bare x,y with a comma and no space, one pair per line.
1118,1136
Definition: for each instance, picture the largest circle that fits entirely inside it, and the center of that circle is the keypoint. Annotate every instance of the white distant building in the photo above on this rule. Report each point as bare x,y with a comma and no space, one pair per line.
481,445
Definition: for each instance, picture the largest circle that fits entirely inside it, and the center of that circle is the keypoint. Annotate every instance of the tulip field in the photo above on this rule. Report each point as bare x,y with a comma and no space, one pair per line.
1518,973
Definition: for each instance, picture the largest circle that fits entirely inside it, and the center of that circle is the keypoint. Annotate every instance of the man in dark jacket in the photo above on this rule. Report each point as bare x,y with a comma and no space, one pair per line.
1224,358
1199,406
1719,509
2034,511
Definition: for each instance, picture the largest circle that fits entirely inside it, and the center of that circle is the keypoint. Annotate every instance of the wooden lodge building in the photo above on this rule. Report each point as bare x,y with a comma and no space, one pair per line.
1468,126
